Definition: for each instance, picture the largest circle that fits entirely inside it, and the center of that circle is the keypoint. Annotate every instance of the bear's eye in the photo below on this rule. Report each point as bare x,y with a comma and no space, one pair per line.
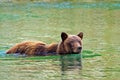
70,45
71,42
79,41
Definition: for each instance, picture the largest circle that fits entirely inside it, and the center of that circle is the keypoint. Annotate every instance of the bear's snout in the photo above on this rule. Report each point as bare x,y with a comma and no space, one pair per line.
77,50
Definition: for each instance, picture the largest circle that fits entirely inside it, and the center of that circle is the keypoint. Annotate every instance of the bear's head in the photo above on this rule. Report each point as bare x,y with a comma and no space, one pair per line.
70,44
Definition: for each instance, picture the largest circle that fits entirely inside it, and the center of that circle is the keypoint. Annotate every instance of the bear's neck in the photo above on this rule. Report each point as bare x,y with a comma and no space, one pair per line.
61,49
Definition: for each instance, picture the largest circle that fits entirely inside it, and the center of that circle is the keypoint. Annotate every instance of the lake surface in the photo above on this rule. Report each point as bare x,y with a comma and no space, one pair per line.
43,21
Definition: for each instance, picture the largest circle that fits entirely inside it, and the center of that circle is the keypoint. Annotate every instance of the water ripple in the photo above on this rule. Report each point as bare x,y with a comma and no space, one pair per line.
65,5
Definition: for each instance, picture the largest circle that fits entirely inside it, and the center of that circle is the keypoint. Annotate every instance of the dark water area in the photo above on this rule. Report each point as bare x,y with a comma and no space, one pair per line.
44,21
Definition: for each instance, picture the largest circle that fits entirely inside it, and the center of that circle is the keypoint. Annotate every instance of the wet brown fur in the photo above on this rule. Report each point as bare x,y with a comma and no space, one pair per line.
32,48
69,44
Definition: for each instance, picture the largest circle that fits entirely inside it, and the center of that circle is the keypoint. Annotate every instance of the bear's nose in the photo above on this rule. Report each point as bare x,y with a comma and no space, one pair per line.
79,48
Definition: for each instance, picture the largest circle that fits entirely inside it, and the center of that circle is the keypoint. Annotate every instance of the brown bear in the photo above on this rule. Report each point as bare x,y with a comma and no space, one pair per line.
69,44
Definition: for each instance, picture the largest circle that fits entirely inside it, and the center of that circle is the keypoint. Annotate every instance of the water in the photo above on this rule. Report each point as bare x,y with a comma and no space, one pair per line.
45,21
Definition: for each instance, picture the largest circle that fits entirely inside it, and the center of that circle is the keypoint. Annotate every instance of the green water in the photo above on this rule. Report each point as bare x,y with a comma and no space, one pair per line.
44,22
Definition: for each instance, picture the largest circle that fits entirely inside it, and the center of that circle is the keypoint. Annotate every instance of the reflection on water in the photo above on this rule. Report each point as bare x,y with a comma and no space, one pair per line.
71,65
71,61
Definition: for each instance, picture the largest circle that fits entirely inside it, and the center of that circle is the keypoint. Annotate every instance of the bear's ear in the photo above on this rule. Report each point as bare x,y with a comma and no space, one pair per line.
80,35
64,36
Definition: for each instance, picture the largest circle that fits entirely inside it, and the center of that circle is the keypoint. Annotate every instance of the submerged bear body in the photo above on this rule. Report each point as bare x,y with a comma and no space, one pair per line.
68,44
33,48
